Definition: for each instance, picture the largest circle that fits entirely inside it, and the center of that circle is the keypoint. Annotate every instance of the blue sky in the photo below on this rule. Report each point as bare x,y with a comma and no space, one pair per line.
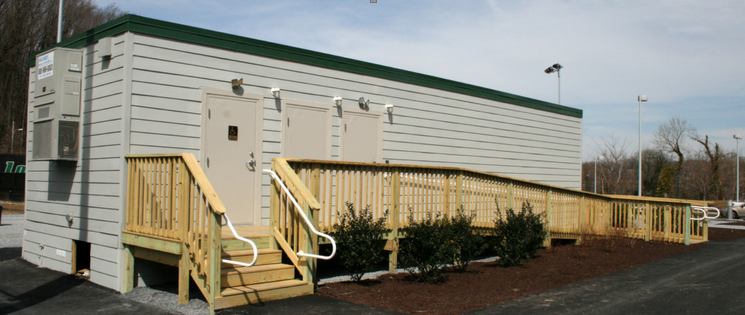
687,56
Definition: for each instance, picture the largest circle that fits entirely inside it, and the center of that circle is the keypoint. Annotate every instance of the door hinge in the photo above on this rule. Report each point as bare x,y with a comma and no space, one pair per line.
209,114
208,162
288,121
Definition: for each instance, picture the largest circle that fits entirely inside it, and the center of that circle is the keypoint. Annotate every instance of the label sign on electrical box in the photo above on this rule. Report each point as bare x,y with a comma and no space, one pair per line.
45,66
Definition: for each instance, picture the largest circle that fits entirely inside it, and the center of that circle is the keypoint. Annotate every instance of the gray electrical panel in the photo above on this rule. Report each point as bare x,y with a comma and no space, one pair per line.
57,92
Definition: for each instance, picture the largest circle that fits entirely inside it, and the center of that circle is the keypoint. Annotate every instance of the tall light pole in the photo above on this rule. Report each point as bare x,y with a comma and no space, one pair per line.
641,98
13,136
595,179
737,138
59,21
555,68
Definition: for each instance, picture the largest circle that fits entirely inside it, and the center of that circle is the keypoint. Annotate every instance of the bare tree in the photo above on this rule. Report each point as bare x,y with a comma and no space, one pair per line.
670,137
26,27
615,173
714,165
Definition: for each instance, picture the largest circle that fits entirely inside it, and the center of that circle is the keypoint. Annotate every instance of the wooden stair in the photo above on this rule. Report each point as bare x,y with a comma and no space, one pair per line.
269,279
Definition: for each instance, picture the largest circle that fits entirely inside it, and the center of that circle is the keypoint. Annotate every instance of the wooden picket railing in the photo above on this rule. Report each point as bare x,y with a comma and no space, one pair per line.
172,207
419,191
288,227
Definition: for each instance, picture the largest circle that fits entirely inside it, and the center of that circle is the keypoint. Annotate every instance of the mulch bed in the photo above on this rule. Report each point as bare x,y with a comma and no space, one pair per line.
724,234
487,284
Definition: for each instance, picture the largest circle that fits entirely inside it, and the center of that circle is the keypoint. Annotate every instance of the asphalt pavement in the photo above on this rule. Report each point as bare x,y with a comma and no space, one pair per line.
707,280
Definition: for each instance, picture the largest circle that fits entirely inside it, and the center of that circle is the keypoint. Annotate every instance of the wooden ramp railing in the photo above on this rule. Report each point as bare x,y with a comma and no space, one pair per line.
419,191
172,208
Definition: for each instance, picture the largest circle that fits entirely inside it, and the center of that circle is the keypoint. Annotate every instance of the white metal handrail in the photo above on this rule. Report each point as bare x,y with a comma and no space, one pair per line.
307,221
253,245
705,211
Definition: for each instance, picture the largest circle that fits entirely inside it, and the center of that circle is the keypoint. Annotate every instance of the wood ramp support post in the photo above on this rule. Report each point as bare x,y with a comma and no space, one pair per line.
706,226
129,269
547,242
581,218
687,224
306,244
510,195
274,205
315,189
184,223
648,222
394,220
215,257
459,191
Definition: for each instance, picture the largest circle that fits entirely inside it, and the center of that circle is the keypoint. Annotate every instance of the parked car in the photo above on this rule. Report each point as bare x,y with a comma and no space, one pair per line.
738,210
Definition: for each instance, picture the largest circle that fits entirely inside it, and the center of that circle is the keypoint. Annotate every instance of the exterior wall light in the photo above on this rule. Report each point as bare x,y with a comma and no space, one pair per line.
337,100
364,104
389,108
275,92
236,83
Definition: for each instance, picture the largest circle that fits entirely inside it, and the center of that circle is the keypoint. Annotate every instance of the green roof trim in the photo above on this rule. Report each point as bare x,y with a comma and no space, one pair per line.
184,33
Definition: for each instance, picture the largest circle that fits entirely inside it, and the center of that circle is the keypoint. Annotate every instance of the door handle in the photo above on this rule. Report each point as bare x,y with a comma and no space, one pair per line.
251,165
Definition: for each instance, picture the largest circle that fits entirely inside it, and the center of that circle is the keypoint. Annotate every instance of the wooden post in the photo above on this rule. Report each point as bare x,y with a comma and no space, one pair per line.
184,223
274,206
306,244
547,243
394,219
215,257
459,191
706,225
315,189
687,224
129,270
446,196
647,222
581,217
510,196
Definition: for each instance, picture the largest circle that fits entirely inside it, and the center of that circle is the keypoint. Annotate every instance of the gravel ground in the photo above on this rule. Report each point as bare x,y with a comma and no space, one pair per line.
11,231
167,299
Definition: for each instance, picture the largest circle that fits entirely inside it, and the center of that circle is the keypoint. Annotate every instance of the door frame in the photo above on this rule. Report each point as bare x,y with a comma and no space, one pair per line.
258,152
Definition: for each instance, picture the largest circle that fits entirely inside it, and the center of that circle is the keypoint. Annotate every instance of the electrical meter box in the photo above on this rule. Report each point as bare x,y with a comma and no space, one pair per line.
57,111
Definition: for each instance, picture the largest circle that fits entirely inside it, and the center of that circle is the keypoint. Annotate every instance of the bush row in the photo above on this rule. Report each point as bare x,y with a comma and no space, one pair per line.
437,241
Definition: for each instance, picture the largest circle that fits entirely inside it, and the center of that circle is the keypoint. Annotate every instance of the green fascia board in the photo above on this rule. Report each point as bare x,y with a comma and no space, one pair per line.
184,33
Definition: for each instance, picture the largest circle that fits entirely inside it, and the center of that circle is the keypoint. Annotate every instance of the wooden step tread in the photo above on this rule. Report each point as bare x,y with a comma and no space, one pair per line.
261,287
260,268
249,252
260,293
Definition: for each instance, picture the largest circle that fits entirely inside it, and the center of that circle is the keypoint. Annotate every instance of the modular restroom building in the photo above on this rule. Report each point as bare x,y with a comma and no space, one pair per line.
139,86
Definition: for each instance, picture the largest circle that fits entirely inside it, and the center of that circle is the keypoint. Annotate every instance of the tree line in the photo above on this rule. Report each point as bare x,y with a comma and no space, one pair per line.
682,164
26,27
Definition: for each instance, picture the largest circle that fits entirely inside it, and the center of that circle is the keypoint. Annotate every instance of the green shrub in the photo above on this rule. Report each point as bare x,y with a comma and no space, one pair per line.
468,244
360,240
427,248
518,236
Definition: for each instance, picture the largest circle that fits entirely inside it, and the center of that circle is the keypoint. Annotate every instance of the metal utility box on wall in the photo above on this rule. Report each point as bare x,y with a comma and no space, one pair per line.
57,105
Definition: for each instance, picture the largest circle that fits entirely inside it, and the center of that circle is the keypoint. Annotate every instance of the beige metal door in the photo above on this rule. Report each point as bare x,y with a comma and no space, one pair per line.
362,137
306,130
232,154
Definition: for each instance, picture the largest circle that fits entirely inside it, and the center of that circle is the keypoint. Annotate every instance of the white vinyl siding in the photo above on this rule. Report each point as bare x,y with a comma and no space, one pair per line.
428,126
89,190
